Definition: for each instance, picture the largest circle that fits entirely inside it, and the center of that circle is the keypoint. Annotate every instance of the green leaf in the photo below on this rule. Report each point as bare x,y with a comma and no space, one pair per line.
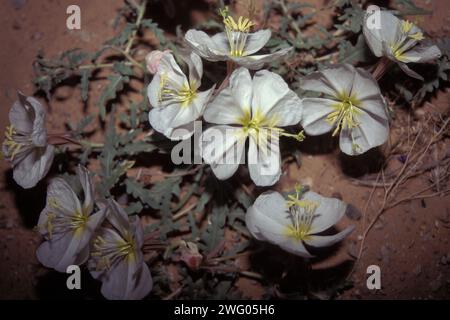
153,27
408,8
123,69
215,230
354,54
84,83
122,38
116,84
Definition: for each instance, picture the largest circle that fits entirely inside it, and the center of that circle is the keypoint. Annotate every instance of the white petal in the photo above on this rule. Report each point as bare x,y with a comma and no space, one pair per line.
127,281
20,118
222,148
364,85
39,134
200,101
329,212
176,114
334,80
268,220
256,41
264,160
204,46
28,172
159,123
60,253
153,91
315,112
233,102
387,32
117,216
268,217
422,53
273,98
59,191
326,241
371,132
255,62
195,66
409,72
170,67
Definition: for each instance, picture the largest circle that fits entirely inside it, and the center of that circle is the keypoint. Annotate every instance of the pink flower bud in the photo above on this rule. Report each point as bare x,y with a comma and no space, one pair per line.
190,255
153,60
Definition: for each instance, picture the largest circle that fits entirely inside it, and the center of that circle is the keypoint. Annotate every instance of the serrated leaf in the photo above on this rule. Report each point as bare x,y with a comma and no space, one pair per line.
123,69
215,230
153,27
84,83
116,84
122,37
354,54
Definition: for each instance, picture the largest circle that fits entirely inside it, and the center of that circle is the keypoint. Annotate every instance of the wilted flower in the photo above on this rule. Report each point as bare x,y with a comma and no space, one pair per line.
352,105
292,223
190,255
254,109
117,259
176,100
25,144
237,43
66,224
400,41
153,59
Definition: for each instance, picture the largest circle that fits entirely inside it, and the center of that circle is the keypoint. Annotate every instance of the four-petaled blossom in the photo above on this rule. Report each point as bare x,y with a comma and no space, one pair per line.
292,223
175,99
66,224
25,144
254,109
352,104
117,259
236,44
400,41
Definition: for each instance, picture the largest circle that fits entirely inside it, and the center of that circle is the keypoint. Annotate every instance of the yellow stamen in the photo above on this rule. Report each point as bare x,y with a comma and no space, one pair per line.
406,26
170,91
302,215
345,114
237,32
13,147
253,124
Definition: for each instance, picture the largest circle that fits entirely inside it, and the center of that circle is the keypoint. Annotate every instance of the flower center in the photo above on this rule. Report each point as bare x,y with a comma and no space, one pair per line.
237,32
171,92
110,253
302,216
345,113
61,223
11,142
406,41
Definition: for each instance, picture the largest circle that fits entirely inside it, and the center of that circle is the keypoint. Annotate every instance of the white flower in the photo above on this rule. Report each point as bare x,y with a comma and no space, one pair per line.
66,224
236,44
25,144
252,109
176,100
352,105
117,259
292,223
400,41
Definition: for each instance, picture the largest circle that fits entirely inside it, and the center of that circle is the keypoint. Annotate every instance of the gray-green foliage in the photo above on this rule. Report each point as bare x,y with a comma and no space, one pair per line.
123,120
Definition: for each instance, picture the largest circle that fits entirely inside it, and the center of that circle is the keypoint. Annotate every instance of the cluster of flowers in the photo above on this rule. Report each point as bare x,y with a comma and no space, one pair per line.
245,108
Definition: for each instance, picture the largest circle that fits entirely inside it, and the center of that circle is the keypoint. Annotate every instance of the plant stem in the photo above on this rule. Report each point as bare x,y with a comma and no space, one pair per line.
141,12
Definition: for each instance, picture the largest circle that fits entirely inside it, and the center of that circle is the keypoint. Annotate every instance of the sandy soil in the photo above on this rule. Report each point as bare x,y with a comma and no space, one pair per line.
410,243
